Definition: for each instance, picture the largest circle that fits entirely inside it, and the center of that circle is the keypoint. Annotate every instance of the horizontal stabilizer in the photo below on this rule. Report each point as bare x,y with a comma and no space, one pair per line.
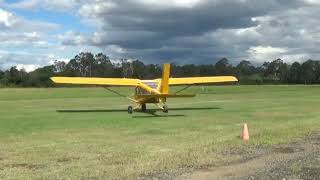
165,95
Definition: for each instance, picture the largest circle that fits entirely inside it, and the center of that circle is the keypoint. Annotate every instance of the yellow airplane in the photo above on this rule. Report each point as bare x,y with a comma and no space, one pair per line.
148,91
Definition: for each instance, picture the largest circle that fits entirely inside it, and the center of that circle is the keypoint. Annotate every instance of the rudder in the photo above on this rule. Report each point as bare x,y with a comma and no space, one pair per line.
164,88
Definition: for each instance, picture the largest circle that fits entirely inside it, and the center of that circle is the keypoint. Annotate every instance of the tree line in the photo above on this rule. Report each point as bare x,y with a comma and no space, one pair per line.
86,64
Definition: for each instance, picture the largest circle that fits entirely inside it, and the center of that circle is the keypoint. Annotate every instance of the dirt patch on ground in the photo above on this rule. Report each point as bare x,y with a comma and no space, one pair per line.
297,160
25,166
67,159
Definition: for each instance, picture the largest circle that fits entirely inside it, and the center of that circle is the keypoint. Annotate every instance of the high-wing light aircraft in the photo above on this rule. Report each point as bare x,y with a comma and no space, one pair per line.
154,91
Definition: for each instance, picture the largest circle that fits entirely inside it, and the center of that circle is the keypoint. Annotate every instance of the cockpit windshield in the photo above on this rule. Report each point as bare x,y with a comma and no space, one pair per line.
152,84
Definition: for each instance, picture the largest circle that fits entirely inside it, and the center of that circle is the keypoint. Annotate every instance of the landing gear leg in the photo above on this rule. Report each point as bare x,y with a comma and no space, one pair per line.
130,109
165,109
143,107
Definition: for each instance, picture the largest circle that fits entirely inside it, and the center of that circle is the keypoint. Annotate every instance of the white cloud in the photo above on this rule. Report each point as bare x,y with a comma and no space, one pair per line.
54,57
66,60
290,58
17,31
25,4
16,39
6,19
76,38
55,5
28,61
93,9
171,3
116,49
10,22
312,2
27,67
265,53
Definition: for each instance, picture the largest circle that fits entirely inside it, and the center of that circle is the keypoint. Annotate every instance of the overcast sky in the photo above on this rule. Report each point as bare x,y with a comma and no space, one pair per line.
33,33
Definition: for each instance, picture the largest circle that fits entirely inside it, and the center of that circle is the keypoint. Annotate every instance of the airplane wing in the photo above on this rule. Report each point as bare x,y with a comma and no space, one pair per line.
96,81
200,80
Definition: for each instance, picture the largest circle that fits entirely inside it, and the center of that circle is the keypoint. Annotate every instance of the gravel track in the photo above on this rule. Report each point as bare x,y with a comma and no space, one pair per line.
296,160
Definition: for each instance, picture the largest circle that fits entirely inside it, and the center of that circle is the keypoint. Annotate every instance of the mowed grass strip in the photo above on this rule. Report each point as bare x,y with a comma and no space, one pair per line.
86,132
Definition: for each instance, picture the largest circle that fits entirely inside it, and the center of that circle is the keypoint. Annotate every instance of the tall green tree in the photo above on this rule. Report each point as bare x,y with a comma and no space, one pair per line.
83,63
245,68
294,74
152,71
190,70
15,76
223,67
60,66
126,68
1,74
276,70
308,73
176,70
206,70
41,76
102,66
138,69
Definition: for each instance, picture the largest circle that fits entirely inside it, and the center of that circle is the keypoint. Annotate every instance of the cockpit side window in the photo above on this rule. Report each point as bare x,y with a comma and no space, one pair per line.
153,85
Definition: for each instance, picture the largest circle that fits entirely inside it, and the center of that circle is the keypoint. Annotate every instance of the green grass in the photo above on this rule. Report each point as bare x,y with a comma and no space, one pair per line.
39,142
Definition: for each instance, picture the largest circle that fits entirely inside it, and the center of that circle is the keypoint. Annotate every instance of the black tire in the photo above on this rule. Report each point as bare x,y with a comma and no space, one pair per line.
130,109
165,109
143,107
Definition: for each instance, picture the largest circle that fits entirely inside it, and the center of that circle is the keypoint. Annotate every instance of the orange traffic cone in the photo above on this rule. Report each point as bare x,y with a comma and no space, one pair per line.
245,132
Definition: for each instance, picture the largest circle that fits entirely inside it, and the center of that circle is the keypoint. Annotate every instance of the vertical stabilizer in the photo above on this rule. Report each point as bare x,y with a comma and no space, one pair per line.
164,88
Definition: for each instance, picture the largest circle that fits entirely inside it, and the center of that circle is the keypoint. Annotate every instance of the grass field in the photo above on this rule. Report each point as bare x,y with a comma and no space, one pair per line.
86,132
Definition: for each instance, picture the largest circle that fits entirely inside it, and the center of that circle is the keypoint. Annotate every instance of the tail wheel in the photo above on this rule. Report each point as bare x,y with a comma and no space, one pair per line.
165,109
143,107
130,109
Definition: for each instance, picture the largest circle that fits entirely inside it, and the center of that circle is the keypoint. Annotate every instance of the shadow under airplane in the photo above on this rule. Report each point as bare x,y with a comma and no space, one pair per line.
148,111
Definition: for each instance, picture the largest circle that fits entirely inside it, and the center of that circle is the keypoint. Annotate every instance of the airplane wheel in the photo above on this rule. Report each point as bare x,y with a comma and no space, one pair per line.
165,109
143,107
130,109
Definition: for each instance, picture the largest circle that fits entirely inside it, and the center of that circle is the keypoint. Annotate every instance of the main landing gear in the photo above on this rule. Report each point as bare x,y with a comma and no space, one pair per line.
164,108
130,109
143,107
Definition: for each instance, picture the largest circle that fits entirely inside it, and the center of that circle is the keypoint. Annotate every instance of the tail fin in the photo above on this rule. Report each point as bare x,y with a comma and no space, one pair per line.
164,87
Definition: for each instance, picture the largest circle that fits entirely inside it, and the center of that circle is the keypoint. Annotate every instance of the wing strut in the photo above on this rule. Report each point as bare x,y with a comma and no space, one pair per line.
115,92
183,89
